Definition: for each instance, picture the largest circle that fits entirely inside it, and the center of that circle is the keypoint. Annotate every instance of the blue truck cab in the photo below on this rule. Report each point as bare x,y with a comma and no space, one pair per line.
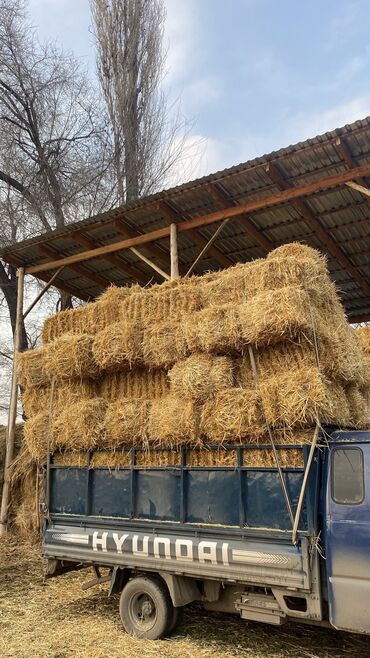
221,535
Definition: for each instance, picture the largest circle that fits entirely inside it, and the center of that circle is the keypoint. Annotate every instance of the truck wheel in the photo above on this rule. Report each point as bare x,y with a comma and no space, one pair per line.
177,616
146,608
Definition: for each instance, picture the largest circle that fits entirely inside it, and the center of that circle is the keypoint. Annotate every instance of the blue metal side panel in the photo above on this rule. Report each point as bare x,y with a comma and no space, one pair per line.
68,491
109,493
158,495
212,497
264,499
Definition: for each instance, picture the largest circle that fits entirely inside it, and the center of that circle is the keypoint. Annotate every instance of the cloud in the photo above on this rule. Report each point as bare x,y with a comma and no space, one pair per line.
311,123
179,37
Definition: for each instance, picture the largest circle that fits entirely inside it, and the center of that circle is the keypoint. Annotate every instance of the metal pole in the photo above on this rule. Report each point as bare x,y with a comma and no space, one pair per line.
304,483
12,416
174,254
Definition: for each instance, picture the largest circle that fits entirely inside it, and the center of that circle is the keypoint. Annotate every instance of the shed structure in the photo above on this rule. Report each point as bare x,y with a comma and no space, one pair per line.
314,192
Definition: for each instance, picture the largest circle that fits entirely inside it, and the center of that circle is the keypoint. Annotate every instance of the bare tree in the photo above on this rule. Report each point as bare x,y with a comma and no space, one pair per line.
148,136
54,158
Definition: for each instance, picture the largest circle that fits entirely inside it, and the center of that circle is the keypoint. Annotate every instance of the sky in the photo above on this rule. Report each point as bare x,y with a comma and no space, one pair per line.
251,75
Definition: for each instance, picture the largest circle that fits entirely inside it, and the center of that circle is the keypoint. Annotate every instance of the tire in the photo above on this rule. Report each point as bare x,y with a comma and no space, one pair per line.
177,617
146,608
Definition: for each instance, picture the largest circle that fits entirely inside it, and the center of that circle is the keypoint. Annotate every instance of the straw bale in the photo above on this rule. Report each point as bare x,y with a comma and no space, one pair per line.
300,396
80,425
233,416
170,300
173,422
363,335
31,367
114,295
152,458
137,383
36,399
201,376
299,251
24,484
87,319
70,458
17,441
164,343
110,459
264,457
126,423
276,315
206,457
71,356
359,406
215,329
118,346
36,433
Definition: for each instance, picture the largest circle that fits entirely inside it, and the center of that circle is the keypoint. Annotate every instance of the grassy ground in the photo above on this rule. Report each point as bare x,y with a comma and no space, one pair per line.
56,619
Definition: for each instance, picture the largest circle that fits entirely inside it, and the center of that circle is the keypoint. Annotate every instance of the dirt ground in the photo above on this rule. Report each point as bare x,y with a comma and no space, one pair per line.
56,619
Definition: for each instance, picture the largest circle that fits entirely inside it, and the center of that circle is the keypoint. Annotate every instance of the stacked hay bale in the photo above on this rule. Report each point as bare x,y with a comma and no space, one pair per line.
171,366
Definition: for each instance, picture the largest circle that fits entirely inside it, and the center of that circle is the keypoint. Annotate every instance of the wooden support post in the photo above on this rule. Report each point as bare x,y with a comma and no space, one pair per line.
174,254
42,292
207,246
150,263
12,417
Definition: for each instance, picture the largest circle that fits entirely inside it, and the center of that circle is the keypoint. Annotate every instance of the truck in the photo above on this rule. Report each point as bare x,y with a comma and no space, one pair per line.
221,535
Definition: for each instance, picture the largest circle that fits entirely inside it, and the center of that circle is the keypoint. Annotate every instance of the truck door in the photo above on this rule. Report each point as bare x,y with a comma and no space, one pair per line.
347,536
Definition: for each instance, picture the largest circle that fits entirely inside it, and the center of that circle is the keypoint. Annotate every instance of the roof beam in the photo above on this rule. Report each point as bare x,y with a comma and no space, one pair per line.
244,222
152,249
355,319
316,227
257,204
111,258
94,278
65,287
174,216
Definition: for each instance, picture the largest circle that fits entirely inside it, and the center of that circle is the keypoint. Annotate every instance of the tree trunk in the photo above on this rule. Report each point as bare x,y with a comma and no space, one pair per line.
8,285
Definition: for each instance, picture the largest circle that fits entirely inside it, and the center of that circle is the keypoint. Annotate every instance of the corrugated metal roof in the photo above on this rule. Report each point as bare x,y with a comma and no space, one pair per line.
343,213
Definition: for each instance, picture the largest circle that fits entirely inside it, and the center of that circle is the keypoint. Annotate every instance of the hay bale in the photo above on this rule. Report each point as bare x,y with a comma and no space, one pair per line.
301,252
234,415
359,406
276,315
90,318
173,422
158,458
31,367
156,305
137,383
363,336
118,346
24,483
301,396
80,425
164,343
203,456
240,283
36,399
201,376
36,435
215,329
264,458
71,356
126,423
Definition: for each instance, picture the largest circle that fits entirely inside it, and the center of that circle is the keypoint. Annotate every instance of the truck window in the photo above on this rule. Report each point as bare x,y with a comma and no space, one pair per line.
347,482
